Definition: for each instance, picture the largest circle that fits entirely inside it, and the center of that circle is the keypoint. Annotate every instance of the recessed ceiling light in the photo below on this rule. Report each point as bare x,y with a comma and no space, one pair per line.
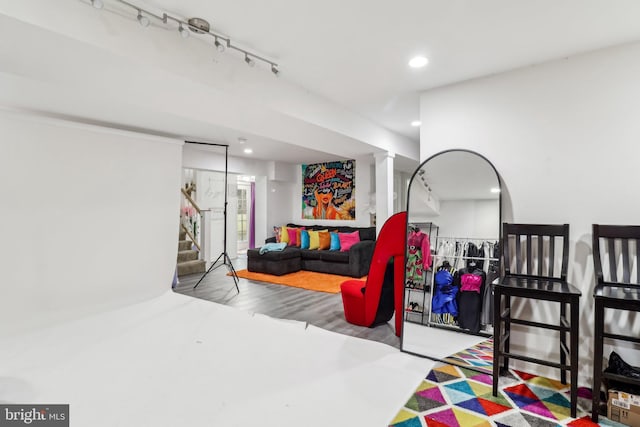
242,140
418,62
416,123
495,190
248,151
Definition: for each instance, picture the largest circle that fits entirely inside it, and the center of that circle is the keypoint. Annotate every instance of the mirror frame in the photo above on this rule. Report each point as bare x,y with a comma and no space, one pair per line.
404,294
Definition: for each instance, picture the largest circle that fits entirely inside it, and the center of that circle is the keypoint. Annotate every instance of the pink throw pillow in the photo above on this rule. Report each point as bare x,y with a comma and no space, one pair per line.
293,236
348,239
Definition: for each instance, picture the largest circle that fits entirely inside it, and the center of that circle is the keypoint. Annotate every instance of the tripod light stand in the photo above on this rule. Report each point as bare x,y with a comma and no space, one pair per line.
223,258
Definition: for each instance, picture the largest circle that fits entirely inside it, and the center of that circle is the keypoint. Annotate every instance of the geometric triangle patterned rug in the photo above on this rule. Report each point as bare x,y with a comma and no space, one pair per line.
478,357
453,396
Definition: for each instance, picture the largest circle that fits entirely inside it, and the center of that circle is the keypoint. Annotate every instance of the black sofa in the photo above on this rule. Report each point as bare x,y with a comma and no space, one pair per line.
354,263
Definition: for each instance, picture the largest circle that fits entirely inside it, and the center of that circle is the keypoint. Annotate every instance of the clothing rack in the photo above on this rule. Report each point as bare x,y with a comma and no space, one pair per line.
415,297
469,239
454,251
465,257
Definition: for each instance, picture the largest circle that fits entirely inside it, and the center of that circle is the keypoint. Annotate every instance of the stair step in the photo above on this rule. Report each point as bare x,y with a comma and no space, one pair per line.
182,235
187,255
191,267
184,245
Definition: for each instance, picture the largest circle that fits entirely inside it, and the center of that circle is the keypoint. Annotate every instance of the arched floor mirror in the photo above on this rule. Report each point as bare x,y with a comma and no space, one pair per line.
453,235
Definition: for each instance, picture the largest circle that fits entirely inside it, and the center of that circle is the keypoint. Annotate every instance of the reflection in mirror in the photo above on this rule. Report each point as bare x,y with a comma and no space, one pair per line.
453,230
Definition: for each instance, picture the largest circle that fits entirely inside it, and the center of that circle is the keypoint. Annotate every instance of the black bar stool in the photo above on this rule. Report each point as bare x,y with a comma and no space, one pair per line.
621,244
526,250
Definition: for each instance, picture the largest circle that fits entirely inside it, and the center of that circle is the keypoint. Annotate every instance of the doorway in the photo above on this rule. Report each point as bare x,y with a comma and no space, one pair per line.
245,213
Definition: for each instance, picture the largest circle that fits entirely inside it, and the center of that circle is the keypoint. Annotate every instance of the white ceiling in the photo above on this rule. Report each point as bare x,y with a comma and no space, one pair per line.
349,56
355,52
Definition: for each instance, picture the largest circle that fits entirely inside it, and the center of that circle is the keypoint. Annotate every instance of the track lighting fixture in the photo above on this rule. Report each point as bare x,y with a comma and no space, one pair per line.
219,46
143,20
183,31
198,26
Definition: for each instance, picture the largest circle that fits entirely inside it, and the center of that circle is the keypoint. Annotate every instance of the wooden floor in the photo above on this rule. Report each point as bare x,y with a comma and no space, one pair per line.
320,309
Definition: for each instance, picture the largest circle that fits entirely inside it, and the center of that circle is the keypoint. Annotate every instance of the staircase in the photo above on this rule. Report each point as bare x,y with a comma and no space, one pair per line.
188,262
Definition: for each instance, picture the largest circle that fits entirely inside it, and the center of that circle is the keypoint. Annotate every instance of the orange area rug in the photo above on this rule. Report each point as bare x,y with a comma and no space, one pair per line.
309,280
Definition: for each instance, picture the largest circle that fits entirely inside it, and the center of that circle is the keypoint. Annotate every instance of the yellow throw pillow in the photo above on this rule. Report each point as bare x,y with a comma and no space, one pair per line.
314,240
284,235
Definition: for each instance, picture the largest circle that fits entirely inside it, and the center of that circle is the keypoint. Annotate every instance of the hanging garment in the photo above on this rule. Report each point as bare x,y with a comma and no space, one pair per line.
473,251
444,297
470,298
414,268
471,283
418,258
446,250
420,241
493,272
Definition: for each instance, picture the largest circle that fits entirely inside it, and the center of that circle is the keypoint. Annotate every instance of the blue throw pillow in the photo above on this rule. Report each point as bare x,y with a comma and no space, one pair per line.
335,242
304,239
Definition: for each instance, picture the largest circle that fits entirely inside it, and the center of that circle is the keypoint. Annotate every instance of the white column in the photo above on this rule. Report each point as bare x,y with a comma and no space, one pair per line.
384,187
262,224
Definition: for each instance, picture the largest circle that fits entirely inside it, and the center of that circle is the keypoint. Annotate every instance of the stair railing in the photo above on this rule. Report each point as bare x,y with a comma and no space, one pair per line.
191,219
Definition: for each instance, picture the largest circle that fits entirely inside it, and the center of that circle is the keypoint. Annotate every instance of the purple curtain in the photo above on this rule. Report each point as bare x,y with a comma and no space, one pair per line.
252,218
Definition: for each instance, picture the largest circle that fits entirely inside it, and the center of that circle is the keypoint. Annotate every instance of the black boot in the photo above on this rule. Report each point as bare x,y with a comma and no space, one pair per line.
620,367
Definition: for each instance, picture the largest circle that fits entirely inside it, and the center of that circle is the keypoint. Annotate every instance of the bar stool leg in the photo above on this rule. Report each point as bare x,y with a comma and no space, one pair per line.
497,337
575,333
507,330
563,341
597,358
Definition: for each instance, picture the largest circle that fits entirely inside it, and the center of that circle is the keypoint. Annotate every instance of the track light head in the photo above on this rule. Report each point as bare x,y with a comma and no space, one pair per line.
183,31
143,20
185,27
219,46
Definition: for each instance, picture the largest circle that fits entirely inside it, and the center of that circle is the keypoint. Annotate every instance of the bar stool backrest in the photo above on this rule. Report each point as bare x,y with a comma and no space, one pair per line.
615,247
536,250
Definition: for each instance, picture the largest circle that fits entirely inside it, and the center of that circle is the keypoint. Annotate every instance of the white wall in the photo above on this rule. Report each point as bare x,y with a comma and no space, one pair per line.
282,201
89,219
273,206
564,136
281,195
467,218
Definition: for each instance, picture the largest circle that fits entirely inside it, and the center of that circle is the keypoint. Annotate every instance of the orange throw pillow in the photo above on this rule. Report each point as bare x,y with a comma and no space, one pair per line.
325,240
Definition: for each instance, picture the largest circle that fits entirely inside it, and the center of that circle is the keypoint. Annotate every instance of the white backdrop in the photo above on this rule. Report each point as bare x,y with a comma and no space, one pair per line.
89,219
